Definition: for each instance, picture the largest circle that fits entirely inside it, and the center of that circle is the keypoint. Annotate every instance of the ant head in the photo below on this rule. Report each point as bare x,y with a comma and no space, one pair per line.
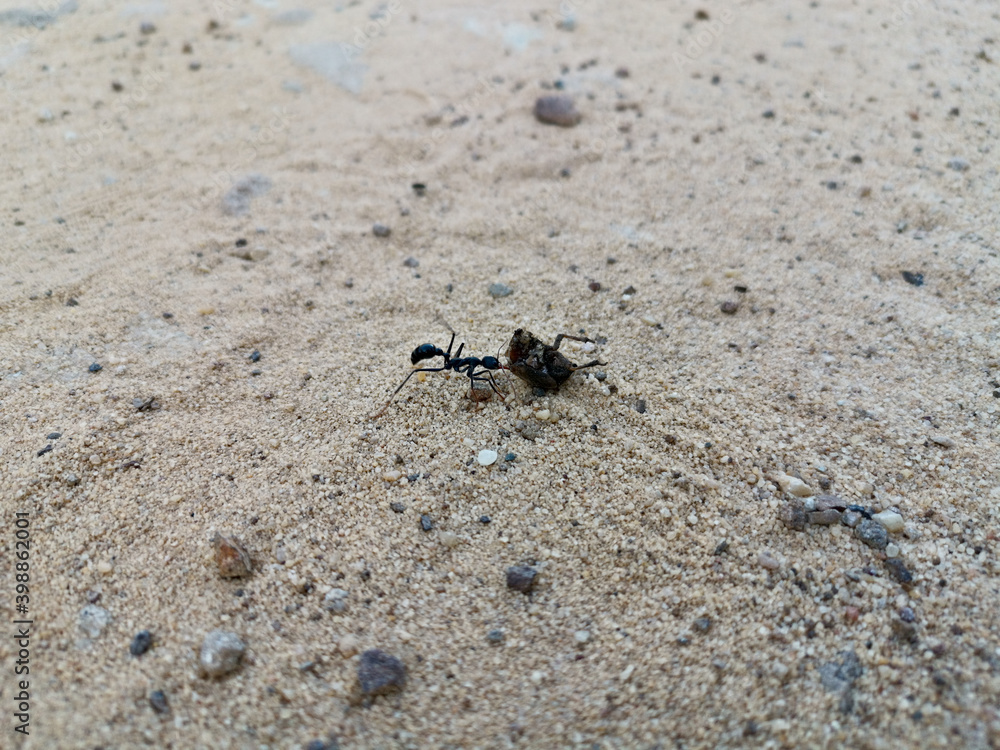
492,363
425,351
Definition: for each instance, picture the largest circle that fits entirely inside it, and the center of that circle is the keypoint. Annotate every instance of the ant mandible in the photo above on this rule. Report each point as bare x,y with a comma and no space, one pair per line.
478,370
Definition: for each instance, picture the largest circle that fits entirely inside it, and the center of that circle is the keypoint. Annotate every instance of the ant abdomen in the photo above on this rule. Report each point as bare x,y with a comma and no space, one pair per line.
425,351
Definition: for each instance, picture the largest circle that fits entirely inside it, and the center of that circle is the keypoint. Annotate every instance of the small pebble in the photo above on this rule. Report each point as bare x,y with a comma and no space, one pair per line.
703,624
766,560
595,286
254,356
793,485
793,514
450,539
891,550
147,27
898,570
498,290
426,523
221,653
640,406
335,600
53,436
650,321
487,457
230,557
141,643
581,637
348,646
411,262
92,620
893,522
558,109
959,165
495,637
158,700
380,673
510,457
542,415
824,517
942,440
521,578
906,614
381,230
397,507
916,279
851,518
872,533
95,367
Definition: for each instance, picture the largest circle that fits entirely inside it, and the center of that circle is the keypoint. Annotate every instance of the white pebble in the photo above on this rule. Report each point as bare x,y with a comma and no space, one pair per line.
581,636
487,457
537,677
335,600
589,346
649,320
892,550
348,645
891,521
449,539
543,415
92,620
626,674
767,561
793,485
221,653
392,476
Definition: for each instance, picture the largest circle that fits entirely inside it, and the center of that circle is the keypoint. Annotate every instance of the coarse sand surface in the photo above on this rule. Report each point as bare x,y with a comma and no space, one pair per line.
776,222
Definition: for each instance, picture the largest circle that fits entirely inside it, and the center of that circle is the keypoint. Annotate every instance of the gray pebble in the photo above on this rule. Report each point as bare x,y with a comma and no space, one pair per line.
92,620
521,578
381,230
703,624
826,502
729,307
335,600
236,202
495,637
500,290
426,523
158,700
958,164
397,507
380,673
872,533
837,677
851,518
53,436
826,517
793,514
147,27
558,109
141,643
221,653
411,262
904,631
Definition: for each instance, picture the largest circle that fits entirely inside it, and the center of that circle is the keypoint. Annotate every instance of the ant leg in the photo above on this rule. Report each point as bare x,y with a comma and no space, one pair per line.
448,355
561,336
595,363
487,377
412,373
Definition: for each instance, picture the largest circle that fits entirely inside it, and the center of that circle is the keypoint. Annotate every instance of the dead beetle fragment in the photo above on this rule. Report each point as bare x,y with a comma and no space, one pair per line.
540,364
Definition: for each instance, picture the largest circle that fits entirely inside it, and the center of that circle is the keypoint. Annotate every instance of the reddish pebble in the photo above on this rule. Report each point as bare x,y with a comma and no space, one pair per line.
851,614
232,559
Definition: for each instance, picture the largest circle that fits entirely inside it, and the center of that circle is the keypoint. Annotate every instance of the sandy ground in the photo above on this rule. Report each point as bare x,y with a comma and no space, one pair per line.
178,196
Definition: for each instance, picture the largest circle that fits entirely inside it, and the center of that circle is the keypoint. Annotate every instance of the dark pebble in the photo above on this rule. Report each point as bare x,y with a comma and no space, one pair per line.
411,478
838,677
557,110
872,533
71,302
721,547
141,643
740,289
194,65
904,631
147,27
917,279
521,578
411,262
793,515
426,523
381,230
601,376
380,673
495,637
158,700
683,640
167,315
117,86
629,290
53,436
832,185
95,367
611,260
701,15
825,502
768,114
595,286
729,307
703,624
255,357
640,406
316,745
856,159
44,450
255,373
906,614
897,569
622,72
419,188
510,457
485,519
397,507
241,242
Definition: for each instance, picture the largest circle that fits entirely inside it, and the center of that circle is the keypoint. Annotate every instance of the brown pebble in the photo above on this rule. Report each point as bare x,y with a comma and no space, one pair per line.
793,514
622,72
380,673
595,286
729,307
827,517
521,578
557,110
480,392
231,557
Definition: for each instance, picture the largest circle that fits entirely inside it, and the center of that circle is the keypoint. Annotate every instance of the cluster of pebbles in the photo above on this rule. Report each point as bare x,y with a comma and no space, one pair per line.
802,509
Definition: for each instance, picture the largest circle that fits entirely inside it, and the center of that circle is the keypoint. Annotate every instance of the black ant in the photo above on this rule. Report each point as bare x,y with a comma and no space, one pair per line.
538,363
478,370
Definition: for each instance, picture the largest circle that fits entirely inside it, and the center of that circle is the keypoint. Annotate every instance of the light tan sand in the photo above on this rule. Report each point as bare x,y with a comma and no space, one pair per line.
833,369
